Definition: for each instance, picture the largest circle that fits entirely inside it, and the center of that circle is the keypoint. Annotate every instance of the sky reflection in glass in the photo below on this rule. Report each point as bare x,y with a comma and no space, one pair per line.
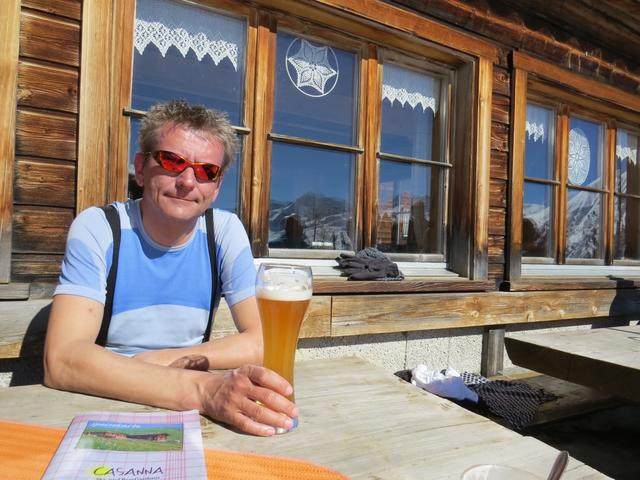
315,91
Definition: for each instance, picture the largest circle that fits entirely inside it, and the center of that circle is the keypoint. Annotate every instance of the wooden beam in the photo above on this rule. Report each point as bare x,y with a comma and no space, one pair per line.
481,181
516,178
9,39
414,24
93,123
575,81
492,361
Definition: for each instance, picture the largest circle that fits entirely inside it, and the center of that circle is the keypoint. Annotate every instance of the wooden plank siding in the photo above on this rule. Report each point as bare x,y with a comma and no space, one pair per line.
46,140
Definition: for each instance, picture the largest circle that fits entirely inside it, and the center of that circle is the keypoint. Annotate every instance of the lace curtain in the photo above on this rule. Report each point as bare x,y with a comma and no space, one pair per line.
410,88
537,123
627,147
166,23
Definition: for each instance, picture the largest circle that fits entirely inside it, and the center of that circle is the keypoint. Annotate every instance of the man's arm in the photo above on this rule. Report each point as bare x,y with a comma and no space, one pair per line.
74,362
228,352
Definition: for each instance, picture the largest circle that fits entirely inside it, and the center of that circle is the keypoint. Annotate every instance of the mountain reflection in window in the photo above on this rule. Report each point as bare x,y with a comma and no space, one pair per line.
627,199
584,224
409,208
311,201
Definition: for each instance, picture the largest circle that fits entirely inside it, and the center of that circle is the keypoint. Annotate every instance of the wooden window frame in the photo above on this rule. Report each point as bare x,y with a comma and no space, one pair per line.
103,142
9,39
534,79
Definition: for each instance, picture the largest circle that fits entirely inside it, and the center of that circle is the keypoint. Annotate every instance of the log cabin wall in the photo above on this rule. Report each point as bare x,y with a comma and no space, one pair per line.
45,140
45,172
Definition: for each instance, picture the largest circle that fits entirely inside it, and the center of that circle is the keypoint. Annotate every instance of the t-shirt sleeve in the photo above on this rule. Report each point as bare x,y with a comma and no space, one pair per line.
84,267
235,261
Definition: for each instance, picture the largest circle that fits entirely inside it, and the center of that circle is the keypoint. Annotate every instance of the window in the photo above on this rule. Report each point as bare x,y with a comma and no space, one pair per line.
347,142
627,197
578,178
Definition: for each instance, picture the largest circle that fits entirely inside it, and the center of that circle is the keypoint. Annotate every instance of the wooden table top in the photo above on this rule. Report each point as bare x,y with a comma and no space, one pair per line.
607,359
354,417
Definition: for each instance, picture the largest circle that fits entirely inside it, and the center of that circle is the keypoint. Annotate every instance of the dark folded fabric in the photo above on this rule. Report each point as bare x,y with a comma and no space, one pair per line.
516,402
368,264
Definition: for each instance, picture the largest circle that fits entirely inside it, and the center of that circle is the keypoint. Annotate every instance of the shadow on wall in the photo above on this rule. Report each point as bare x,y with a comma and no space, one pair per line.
28,368
625,306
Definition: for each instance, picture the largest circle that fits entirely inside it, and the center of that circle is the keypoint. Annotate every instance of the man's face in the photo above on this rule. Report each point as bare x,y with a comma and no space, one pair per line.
171,198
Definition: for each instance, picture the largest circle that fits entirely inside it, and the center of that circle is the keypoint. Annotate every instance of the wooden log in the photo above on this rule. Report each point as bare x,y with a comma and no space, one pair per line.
500,109
499,165
27,267
408,285
499,137
64,8
14,291
492,361
496,248
497,220
496,272
45,135
501,81
498,194
371,314
44,182
43,86
45,37
9,28
40,229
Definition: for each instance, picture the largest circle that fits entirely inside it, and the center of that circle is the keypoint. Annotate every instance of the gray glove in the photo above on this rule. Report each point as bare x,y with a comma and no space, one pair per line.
368,264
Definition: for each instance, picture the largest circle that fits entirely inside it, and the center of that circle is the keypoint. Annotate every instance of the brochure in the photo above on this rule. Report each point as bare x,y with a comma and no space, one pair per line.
130,446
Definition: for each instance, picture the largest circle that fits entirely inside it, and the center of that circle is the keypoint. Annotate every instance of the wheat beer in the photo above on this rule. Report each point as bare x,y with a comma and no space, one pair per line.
281,312
283,293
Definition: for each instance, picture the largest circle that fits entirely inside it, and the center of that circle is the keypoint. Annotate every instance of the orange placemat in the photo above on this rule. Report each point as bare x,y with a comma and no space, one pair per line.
25,451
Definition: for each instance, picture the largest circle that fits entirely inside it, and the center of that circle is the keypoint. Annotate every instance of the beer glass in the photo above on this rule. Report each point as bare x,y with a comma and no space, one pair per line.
283,293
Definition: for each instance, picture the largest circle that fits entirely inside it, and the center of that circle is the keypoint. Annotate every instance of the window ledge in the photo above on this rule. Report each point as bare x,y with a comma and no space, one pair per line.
341,285
14,291
572,283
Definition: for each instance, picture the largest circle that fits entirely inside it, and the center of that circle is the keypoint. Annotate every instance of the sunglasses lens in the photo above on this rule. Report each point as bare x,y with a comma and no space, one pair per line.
207,172
170,161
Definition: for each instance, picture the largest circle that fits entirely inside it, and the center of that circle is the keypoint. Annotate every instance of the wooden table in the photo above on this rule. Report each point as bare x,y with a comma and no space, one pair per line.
607,359
355,418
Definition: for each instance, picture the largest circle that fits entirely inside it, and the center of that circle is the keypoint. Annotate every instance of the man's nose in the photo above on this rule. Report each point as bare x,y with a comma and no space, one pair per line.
187,178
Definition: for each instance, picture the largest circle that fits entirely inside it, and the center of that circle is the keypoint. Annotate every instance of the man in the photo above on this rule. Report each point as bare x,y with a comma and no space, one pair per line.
154,352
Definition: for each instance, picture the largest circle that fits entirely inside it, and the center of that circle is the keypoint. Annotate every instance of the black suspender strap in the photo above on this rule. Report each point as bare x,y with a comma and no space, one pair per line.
113,218
211,245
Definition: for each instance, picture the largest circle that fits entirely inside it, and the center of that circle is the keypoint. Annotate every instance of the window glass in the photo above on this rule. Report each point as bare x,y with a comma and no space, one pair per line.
315,91
539,142
409,106
626,234
537,235
410,208
311,202
188,52
584,224
627,169
585,153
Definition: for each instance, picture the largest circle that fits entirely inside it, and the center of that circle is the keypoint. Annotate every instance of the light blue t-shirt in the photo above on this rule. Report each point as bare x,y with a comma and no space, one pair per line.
162,294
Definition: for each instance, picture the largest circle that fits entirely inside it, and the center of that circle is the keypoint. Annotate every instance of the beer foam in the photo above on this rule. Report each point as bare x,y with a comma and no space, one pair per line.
283,293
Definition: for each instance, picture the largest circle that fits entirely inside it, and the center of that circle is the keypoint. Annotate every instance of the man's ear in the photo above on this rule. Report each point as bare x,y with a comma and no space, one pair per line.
138,164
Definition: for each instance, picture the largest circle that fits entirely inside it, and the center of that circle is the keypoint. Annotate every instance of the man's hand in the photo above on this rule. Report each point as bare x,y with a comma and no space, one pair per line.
191,362
252,399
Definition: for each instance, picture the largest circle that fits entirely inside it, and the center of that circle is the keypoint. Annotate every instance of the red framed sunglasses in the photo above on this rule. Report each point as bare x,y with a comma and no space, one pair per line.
174,163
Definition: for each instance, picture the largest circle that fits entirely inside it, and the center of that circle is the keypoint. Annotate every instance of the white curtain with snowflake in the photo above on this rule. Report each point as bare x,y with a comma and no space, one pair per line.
410,88
166,23
537,122
627,147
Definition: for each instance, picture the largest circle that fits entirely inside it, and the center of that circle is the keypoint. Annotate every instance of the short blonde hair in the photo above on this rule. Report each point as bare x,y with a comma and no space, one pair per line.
198,118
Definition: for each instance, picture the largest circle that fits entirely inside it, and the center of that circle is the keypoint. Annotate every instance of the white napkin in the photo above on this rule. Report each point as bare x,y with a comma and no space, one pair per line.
449,385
